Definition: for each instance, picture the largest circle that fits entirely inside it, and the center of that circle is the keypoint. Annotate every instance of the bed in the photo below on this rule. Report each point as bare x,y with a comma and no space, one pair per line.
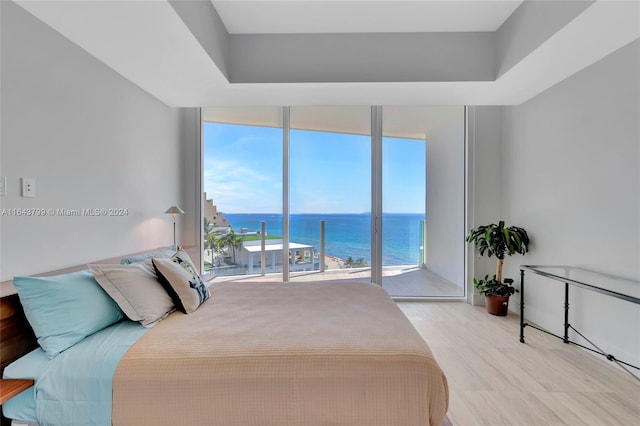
250,354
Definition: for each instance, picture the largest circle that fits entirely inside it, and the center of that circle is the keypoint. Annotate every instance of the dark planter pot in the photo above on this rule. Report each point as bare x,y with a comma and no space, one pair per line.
497,305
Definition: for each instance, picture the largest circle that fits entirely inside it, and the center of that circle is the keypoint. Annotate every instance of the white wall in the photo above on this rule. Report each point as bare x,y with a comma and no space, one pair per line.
485,199
445,196
570,173
91,139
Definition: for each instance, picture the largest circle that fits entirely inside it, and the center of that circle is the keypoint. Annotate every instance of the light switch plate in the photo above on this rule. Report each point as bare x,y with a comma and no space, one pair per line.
3,186
28,187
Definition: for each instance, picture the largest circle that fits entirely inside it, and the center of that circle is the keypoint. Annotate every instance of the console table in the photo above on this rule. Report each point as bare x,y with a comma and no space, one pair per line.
608,285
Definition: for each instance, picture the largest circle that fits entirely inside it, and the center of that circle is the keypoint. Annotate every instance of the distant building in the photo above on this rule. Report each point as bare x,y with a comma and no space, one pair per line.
217,223
302,257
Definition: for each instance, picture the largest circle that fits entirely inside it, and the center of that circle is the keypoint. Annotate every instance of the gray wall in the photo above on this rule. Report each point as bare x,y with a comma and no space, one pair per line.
91,139
570,175
190,178
485,183
445,196
305,58
530,25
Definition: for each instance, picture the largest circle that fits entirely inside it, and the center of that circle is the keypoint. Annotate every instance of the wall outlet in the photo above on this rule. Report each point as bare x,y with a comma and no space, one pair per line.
28,187
3,185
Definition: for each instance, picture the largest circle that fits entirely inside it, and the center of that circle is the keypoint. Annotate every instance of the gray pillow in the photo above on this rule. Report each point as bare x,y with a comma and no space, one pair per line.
135,288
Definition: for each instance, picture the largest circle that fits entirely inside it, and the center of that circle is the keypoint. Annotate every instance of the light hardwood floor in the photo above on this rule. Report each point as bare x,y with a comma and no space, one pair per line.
496,380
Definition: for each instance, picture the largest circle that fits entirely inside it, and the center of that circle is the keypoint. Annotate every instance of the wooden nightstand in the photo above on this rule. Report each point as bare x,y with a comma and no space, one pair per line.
12,387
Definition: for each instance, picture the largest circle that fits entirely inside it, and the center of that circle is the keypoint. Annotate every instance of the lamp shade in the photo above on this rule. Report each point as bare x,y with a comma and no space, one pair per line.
174,210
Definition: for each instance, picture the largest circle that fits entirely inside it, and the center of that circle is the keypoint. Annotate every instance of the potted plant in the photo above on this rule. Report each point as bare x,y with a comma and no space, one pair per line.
500,241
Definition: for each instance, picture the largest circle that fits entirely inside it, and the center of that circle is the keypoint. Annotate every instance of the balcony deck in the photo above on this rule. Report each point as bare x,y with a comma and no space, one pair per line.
399,281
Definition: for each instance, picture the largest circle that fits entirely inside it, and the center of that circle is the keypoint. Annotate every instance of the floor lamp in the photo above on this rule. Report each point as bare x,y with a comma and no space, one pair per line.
173,211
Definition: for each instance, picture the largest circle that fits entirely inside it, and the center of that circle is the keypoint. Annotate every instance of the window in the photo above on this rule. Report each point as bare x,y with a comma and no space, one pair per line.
325,163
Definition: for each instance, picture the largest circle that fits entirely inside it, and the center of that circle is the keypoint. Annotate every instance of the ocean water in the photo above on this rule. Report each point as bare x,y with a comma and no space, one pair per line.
345,234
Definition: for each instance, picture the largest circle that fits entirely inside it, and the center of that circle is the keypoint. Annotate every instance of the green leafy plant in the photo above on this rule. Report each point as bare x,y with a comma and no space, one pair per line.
486,286
499,241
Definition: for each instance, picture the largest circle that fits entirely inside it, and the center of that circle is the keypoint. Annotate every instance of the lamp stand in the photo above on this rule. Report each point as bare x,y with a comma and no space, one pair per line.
173,211
174,230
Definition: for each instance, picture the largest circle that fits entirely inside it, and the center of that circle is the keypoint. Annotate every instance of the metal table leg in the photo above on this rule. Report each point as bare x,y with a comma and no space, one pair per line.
565,338
521,305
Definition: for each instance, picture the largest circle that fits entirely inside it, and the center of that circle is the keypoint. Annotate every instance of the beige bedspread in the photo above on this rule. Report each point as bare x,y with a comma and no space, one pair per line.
282,354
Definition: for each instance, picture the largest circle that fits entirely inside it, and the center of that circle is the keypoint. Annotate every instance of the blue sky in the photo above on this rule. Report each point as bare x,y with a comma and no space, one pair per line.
329,172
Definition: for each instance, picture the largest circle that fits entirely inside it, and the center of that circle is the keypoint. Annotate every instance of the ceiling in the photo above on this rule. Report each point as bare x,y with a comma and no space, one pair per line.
294,17
236,53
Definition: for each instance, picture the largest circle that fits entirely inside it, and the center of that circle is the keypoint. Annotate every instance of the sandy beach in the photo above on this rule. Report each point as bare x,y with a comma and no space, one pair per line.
333,262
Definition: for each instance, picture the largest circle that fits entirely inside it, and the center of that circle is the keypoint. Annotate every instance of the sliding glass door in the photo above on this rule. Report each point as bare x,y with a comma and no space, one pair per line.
350,193
242,180
403,215
330,199
423,201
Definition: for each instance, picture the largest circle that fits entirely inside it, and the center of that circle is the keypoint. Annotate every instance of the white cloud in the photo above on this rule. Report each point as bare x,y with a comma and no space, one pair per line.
237,188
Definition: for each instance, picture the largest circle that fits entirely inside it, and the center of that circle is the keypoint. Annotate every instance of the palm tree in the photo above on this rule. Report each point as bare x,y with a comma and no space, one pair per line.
348,262
211,241
231,240
208,236
360,262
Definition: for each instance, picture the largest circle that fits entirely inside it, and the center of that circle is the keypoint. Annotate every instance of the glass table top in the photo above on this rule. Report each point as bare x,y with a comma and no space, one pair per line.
622,288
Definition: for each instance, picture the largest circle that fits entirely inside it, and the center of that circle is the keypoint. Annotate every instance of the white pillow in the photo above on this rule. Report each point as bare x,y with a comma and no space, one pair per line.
181,280
135,288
